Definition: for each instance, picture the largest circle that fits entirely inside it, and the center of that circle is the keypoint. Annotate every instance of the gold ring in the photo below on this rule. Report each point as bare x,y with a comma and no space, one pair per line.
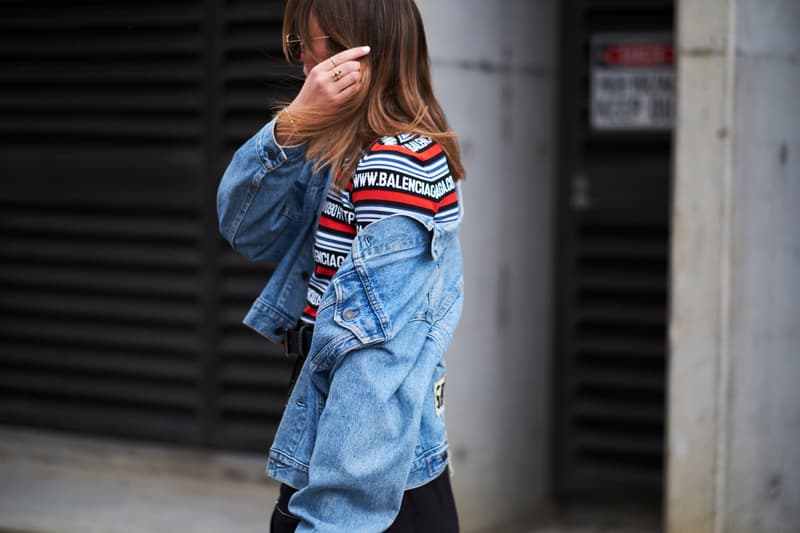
337,74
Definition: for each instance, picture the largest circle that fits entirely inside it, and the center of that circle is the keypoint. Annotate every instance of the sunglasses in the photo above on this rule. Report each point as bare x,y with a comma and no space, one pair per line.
294,45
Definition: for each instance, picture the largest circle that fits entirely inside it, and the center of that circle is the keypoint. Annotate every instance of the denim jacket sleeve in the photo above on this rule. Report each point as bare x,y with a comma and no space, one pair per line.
262,196
372,329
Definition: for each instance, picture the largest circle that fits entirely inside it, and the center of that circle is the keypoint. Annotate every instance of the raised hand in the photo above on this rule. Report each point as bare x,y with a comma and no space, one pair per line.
330,83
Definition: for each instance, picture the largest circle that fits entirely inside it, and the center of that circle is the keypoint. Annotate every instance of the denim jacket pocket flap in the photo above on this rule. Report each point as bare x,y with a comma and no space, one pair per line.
354,311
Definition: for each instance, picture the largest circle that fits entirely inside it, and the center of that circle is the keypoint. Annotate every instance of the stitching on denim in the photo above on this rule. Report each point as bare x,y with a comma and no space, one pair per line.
422,460
260,145
289,460
336,347
342,295
454,294
374,303
252,190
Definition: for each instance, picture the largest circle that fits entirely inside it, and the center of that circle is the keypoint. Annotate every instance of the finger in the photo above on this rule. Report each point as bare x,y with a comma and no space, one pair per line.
339,74
347,92
324,71
348,55
348,66
348,80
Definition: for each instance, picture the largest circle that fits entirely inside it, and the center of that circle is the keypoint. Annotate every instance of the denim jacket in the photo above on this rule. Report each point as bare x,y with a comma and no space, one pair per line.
365,419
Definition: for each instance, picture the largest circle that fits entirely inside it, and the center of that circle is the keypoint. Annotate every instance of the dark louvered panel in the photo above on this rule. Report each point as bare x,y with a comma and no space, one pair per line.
256,77
99,318
253,374
119,74
619,339
614,241
120,308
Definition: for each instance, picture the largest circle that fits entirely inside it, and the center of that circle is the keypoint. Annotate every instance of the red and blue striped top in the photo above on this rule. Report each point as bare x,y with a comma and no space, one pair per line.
405,174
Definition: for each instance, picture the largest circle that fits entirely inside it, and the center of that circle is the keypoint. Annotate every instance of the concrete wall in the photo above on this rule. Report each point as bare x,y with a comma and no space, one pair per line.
494,73
734,424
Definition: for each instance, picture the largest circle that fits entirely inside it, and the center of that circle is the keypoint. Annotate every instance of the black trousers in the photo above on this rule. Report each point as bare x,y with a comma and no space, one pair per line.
430,507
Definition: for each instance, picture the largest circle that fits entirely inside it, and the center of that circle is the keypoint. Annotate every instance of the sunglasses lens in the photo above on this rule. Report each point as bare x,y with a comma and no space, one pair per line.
294,46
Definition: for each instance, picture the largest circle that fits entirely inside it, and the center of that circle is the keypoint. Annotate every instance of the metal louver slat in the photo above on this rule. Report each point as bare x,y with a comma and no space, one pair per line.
95,102
34,329
101,388
144,364
93,279
77,123
248,373
240,341
630,315
608,410
632,347
107,253
175,425
78,306
116,225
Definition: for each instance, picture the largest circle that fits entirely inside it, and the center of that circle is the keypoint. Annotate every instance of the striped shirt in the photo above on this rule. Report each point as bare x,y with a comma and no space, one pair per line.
402,174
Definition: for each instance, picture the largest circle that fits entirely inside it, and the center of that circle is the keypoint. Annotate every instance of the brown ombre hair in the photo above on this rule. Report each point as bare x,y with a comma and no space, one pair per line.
395,95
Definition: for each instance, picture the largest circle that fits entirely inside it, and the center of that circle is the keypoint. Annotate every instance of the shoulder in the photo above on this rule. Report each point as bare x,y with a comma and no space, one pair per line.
415,147
404,174
413,151
404,162
412,156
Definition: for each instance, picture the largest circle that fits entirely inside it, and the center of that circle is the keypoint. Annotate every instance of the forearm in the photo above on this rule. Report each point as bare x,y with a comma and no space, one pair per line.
262,193
364,446
285,127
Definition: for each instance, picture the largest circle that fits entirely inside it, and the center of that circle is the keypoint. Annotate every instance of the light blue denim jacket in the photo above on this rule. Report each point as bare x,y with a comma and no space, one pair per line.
365,420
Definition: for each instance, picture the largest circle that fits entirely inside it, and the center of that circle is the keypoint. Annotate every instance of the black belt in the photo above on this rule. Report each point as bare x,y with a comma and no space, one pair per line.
297,341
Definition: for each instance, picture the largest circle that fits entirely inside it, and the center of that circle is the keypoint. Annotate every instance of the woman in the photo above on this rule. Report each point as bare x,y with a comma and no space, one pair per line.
351,190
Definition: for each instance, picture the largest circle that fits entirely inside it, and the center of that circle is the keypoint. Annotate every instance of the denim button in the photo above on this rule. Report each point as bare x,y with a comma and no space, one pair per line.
350,314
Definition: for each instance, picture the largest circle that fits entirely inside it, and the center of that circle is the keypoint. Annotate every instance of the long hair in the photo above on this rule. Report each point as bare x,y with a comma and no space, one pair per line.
395,95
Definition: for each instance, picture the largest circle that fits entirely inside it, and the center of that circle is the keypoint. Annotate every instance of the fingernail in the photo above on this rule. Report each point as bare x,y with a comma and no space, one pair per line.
366,49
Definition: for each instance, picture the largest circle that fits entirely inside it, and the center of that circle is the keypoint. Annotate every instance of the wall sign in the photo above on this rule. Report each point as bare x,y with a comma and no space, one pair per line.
633,81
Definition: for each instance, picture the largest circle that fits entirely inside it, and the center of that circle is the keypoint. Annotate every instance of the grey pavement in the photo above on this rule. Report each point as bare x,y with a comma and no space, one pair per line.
61,483
67,484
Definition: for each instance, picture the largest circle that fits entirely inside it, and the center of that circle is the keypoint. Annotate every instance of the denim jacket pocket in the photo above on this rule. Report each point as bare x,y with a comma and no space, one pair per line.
354,311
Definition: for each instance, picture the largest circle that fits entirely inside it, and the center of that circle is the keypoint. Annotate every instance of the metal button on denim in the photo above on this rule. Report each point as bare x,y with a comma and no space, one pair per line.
350,314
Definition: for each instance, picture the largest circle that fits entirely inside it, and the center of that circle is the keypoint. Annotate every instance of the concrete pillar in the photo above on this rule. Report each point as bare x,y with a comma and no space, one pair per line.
493,70
734,399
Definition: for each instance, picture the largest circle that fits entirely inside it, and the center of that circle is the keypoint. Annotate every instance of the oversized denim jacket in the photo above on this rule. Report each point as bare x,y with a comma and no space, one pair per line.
365,420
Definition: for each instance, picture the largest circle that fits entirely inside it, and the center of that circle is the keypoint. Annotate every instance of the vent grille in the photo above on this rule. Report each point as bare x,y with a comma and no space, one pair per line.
98,312
254,374
613,264
107,73
256,77
617,388
120,306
